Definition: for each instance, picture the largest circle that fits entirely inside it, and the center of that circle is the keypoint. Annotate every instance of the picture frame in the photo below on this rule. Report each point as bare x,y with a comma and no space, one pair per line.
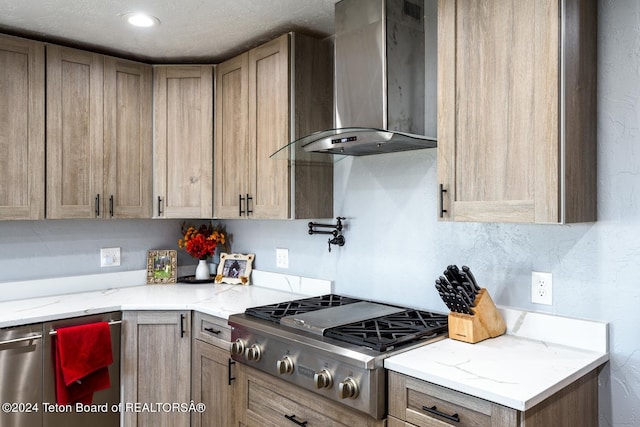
162,266
235,268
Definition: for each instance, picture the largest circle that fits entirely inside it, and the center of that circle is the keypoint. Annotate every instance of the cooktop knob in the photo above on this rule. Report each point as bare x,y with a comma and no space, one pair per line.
237,347
253,353
285,365
323,379
348,388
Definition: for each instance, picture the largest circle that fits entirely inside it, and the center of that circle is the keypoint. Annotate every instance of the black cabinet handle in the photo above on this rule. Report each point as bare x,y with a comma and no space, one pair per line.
442,209
111,206
231,362
292,418
159,206
433,410
213,331
97,205
249,211
182,330
240,200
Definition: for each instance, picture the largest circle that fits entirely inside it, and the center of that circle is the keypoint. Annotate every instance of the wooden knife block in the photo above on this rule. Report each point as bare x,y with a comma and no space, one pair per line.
486,322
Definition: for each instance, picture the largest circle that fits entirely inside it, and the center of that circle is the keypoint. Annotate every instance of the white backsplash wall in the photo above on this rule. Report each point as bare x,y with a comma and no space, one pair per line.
58,248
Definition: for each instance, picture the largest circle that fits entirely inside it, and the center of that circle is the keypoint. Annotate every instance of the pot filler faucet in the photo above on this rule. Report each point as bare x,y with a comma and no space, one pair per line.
338,238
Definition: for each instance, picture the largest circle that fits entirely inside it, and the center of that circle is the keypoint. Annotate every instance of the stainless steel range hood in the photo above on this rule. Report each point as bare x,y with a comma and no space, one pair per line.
385,88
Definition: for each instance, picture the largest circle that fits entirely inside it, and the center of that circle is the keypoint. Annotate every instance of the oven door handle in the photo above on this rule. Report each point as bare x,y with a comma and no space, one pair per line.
292,418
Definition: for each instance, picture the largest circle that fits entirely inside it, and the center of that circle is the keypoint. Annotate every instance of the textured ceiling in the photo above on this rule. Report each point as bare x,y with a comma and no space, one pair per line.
190,30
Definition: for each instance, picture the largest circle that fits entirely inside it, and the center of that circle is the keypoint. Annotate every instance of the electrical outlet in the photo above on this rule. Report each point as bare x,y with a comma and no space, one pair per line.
282,258
541,288
109,257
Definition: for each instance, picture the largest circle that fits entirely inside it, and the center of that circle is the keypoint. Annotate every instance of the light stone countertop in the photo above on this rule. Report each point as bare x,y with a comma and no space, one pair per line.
218,300
518,370
540,354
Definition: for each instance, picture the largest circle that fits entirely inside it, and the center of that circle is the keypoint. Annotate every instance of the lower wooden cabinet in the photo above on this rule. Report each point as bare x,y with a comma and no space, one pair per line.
413,402
156,367
212,381
263,400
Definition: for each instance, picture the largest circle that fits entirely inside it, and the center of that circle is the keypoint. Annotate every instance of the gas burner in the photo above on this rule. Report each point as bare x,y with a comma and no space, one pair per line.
274,312
387,332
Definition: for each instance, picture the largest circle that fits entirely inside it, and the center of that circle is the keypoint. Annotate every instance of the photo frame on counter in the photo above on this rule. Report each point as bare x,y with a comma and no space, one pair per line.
162,266
235,268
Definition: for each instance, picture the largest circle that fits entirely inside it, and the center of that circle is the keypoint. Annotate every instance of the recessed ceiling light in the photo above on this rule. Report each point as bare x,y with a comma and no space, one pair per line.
141,19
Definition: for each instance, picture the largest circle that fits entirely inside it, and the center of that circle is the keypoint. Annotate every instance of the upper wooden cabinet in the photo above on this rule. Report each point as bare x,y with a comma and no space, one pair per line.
98,136
183,146
266,98
128,139
21,129
74,133
517,110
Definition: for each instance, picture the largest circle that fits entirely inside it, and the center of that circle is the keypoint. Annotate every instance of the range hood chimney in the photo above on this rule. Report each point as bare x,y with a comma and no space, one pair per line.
385,89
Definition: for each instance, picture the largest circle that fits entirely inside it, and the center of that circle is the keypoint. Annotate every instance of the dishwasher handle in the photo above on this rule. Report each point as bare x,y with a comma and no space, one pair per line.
16,340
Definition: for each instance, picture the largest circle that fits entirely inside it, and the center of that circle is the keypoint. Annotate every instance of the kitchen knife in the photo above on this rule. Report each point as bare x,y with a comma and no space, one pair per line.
455,272
461,305
444,294
469,274
465,296
466,284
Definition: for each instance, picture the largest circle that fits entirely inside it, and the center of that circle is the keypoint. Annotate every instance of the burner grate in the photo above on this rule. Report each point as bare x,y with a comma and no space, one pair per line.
274,312
384,333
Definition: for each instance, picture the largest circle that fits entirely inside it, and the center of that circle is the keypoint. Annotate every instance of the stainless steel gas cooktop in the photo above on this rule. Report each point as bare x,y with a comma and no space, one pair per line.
332,345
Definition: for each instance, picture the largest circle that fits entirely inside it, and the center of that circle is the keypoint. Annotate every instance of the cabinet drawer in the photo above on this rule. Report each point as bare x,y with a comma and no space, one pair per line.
212,330
267,406
425,404
268,401
423,409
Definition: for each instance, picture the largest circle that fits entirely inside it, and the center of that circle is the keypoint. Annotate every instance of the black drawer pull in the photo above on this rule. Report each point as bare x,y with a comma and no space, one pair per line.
213,331
292,418
433,410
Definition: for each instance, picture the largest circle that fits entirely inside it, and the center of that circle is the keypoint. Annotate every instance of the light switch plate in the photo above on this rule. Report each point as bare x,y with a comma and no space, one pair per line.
109,257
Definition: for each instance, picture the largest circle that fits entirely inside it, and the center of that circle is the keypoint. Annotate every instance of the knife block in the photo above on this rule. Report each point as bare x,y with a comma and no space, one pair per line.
486,322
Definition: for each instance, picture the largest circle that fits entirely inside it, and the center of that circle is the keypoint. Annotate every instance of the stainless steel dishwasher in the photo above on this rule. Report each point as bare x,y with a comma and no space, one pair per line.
110,396
21,376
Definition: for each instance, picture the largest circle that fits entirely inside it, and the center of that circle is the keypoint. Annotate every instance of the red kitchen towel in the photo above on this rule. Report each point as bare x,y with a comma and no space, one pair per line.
82,358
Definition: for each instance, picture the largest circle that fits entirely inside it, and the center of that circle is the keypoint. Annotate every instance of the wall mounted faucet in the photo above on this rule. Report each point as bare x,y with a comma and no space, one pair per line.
338,238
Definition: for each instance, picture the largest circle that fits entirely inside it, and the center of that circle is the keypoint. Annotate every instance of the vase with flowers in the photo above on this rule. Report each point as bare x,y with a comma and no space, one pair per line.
201,243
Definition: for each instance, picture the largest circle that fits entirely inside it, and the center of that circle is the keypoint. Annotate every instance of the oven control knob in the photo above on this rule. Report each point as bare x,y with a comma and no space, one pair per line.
348,388
285,365
323,379
253,353
237,347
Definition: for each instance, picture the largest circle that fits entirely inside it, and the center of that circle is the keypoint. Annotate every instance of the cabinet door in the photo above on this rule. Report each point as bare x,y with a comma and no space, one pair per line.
156,365
232,138
269,128
516,136
128,149
21,129
212,386
74,133
183,141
